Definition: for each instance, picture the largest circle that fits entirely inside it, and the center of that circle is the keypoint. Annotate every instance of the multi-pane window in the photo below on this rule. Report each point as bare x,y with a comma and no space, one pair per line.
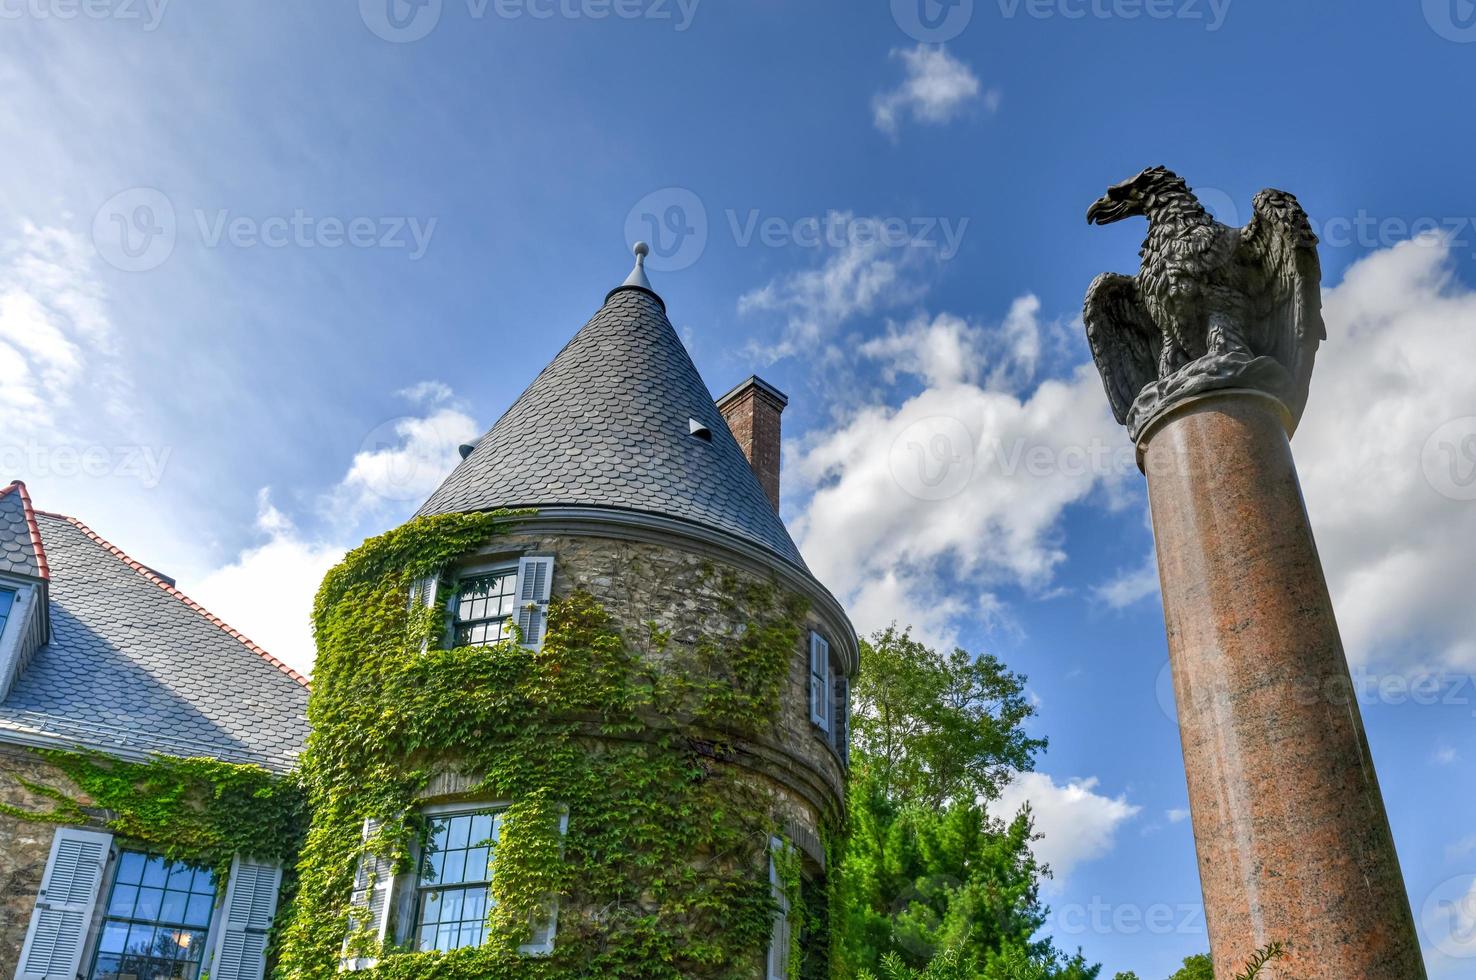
484,608
156,921
455,872
7,600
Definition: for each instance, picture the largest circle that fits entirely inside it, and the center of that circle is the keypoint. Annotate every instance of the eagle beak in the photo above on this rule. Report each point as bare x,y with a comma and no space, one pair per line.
1107,210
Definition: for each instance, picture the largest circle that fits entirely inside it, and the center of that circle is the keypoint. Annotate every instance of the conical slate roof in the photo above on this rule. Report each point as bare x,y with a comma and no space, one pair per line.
608,424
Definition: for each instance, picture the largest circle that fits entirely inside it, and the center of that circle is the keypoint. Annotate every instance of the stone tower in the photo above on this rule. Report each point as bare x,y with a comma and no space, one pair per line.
629,558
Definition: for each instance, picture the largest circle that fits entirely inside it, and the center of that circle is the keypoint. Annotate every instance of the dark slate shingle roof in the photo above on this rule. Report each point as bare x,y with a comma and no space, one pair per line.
18,552
607,425
133,663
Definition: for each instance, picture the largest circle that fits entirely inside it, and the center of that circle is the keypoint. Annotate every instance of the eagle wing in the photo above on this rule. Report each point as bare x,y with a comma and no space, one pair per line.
1281,242
1125,342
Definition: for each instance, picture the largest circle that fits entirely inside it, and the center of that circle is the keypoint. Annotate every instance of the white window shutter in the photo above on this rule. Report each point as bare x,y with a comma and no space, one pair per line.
820,681
535,587
374,885
250,905
545,926
423,596
423,591
778,961
64,905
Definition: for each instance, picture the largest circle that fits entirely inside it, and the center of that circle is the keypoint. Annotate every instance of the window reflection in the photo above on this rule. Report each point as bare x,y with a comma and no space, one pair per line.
156,920
455,872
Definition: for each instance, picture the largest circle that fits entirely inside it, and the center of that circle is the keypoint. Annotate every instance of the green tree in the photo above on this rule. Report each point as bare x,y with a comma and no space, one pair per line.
1196,967
932,887
934,729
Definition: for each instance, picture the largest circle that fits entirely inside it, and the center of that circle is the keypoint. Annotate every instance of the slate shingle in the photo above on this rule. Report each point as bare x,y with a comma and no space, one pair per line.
132,663
606,424
17,549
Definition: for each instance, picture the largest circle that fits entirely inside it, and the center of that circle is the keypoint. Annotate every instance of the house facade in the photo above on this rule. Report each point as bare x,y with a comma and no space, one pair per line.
588,698
101,656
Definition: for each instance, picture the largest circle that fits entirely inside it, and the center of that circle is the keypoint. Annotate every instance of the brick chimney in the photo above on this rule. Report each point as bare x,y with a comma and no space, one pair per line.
752,411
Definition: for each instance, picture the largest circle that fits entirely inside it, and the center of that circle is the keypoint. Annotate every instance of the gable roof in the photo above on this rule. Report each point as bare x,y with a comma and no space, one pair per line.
21,551
607,424
135,666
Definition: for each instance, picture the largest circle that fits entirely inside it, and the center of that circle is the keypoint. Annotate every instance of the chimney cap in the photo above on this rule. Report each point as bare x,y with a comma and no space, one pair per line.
754,381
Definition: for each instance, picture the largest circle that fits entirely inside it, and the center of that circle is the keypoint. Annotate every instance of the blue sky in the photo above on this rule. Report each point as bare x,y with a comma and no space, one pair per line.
263,266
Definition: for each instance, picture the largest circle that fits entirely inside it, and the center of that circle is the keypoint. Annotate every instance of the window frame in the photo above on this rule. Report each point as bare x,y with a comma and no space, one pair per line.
505,567
92,950
405,926
15,594
419,890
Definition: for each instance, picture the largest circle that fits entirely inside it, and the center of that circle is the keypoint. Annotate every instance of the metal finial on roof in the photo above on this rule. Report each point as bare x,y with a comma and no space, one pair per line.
637,275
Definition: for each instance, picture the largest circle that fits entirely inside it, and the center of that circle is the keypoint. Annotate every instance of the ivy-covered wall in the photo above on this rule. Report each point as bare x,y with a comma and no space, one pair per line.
197,810
664,716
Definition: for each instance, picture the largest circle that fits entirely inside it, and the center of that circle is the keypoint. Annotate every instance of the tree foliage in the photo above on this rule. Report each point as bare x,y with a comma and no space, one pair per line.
1196,967
934,728
932,887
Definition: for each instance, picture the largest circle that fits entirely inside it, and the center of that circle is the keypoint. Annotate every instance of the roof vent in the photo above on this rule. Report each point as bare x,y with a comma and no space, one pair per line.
699,430
467,449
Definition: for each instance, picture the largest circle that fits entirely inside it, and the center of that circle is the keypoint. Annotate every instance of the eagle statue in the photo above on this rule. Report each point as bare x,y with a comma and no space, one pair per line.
1212,307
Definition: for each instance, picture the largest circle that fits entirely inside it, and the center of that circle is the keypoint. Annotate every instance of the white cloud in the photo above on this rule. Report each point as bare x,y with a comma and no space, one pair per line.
405,459
1445,755
948,350
935,89
1130,586
1461,849
55,337
918,512
1177,816
1395,548
426,393
867,274
267,592
1078,824
943,351
1395,369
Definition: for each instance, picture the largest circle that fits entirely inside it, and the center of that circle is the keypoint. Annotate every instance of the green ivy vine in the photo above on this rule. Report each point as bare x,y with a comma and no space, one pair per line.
201,811
662,871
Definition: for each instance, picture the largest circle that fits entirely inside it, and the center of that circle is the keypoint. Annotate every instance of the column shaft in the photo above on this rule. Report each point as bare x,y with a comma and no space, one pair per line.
1289,825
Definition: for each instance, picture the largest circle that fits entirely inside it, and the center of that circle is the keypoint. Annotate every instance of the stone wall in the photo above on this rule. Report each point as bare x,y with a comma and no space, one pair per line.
24,844
679,592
